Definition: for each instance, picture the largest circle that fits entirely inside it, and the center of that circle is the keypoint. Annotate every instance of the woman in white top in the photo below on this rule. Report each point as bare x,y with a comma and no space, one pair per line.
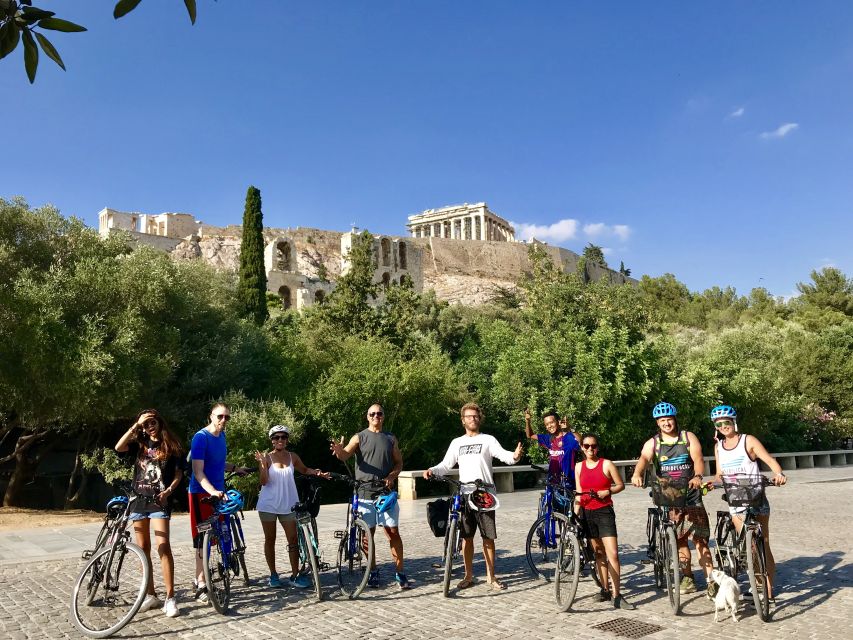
276,500
737,454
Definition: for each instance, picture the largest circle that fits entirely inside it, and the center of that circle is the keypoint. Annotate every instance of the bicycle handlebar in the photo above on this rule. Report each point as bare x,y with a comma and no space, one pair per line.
356,483
476,483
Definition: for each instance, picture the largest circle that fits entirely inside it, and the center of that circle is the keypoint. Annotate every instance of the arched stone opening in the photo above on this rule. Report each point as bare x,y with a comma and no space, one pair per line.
284,294
282,256
386,252
403,257
319,296
386,280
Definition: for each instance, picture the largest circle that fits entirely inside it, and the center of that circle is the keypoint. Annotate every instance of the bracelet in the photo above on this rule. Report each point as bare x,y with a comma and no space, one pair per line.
698,475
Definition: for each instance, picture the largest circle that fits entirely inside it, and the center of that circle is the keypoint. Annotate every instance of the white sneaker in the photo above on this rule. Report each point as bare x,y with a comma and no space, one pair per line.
150,602
170,608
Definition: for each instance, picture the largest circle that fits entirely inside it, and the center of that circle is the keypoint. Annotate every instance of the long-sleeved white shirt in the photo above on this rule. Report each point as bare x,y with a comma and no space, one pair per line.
474,455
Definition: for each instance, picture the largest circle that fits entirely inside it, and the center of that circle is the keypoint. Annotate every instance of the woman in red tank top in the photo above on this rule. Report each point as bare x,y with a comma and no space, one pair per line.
602,477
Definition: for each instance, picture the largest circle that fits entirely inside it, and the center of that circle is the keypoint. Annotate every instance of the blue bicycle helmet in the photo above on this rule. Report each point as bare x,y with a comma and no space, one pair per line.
116,506
664,410
386,501
232,505
723,411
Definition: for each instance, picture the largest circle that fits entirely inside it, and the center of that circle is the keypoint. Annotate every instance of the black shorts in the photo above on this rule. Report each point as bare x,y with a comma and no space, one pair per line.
470,520
601,523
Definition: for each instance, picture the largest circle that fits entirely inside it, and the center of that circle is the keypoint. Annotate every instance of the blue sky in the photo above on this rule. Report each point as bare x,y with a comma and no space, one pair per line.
710,140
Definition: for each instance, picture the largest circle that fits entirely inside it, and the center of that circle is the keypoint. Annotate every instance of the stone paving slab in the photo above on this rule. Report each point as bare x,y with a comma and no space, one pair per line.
810,532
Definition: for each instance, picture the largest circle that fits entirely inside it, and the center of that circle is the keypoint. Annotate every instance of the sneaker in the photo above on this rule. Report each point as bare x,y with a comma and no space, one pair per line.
300,582
201,593
713,588
619,602
170,608
373,579
274,581
402,581
603,595
151,601
687,585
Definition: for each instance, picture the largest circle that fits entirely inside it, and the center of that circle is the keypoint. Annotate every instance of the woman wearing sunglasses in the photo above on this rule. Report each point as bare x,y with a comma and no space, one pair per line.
601,476
275,503
157,473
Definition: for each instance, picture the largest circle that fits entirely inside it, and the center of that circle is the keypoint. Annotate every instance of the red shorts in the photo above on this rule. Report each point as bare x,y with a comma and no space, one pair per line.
199,512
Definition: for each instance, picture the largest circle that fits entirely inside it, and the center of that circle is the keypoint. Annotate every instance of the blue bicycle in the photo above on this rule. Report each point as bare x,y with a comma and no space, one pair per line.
356,555
555,505
452,551
223,547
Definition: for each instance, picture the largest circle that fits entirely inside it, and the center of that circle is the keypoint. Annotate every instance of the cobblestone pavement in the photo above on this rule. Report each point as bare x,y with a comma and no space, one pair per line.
812,549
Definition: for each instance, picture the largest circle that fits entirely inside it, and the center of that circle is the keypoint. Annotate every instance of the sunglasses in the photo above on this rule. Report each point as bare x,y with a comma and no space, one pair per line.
283,436
590,446
223,416
724,423
376,414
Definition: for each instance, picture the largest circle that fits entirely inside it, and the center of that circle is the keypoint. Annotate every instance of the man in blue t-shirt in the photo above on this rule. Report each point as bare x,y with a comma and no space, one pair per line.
207,458
561,447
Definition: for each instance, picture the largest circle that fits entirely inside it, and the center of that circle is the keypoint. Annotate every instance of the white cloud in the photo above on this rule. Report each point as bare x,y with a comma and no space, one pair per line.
607,250
567,229
560,231
737,113
595,229
781,131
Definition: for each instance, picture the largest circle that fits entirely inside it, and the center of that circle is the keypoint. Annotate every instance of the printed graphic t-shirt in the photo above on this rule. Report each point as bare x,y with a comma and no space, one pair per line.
561,456
474,455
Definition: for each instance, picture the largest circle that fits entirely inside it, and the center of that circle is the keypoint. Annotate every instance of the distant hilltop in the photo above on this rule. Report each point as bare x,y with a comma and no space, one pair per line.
465,253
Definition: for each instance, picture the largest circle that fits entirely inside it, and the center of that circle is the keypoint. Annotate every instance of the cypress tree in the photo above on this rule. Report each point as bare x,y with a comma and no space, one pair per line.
252,286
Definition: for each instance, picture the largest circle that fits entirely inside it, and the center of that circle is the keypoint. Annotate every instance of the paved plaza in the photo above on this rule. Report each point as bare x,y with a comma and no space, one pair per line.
811,525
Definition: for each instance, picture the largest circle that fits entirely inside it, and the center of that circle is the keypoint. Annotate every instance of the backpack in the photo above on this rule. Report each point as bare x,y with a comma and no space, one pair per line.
438,511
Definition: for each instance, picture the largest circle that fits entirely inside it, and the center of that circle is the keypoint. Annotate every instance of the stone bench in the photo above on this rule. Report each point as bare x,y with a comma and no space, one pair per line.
407,490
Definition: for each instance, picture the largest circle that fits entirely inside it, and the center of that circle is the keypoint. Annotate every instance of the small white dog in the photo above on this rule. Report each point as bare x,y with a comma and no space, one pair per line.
728,594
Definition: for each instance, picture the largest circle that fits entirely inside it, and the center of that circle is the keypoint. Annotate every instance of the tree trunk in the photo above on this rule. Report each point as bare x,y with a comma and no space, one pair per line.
73,494
25,468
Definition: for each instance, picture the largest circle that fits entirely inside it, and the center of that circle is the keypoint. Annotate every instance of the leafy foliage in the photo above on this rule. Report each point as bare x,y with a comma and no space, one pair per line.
252,286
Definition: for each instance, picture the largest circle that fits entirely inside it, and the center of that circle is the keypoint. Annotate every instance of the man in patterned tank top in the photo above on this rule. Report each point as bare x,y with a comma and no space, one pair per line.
677,454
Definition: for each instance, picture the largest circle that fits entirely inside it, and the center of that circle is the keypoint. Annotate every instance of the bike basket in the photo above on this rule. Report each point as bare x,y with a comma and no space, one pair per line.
744,492
669,492
309,495
438,511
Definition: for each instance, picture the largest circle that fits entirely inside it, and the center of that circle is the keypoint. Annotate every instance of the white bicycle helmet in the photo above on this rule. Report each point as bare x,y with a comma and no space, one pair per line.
278,428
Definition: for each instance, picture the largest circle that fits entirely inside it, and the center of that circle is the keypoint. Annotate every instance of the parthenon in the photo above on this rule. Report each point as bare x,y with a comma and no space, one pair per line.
461,222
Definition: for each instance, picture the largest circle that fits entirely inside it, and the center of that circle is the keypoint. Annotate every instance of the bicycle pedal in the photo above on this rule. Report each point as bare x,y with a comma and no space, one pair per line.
646,561
325,566
87,554
340,534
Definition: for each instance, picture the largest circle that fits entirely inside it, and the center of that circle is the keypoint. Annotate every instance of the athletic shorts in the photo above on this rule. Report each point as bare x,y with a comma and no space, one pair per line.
267,516
601,523
470,520
691,522
373,518
199,512
163,514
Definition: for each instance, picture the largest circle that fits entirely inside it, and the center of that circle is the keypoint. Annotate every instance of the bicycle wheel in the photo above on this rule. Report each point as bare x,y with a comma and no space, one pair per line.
756,569
727,551
308,556
217,573
354,561
567,571
589,557
541,546
109,590
239,549
671,569
451,544
658,561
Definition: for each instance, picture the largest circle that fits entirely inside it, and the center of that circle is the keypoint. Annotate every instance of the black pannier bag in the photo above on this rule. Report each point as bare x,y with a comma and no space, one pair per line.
437,513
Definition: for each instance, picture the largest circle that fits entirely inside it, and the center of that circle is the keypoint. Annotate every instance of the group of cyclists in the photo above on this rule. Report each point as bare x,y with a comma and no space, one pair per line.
573,460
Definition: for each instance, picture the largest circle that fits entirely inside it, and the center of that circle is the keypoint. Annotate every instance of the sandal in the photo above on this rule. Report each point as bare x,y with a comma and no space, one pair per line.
466,583
496,585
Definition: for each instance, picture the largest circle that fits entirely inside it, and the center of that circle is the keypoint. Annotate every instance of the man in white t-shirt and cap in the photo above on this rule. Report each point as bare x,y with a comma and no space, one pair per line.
474,452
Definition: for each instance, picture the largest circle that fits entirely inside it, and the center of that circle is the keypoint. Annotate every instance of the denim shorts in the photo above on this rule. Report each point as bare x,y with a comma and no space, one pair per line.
763,510
165,514
372,517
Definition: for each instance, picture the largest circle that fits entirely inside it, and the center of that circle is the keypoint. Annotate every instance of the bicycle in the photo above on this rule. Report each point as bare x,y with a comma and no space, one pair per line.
356,554
540,549
745,550
112,585
574,553
309,548
668,494
452,549
223,546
